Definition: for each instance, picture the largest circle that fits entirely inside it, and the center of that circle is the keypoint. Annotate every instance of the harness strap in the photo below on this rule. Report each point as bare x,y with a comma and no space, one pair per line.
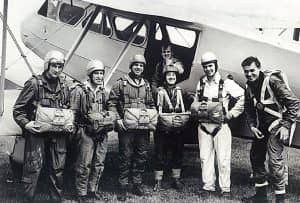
266,109
200,92
214,132
180,99
163,95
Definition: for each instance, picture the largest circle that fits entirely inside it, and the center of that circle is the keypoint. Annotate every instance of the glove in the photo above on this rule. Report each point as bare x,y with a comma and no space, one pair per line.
120,126
258,134
284,134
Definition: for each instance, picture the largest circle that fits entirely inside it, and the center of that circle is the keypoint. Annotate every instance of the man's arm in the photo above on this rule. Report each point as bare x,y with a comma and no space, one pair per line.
114,102
24,107
238,93
250,111
287,99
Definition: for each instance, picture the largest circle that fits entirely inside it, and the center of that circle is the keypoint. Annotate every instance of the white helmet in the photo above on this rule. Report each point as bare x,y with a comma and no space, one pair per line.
94,65
53,55
208,57
138,58
170,68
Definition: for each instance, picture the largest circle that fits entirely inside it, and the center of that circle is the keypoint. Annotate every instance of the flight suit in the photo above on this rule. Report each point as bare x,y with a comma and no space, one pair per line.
271,143
46,150
126,93
215,139
92,148
169,140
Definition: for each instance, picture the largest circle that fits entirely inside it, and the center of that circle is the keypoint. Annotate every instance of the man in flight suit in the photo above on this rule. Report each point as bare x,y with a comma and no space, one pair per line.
89,99
270,130
131,91
169,100
43,149
214,134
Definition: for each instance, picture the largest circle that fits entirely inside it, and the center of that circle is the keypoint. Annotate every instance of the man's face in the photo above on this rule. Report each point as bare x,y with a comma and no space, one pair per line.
171,78
251,72
209,69
97,77
55,69
137,68
166,53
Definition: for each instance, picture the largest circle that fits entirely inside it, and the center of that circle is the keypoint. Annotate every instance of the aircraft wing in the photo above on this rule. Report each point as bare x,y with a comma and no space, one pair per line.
8,127
250,13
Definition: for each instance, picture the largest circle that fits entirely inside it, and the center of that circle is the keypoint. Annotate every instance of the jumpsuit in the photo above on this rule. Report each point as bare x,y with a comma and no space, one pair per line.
126,93
47,151
218,143
270,143
92,147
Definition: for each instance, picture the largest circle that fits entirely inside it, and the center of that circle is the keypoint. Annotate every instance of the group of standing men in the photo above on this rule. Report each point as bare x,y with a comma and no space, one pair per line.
265,93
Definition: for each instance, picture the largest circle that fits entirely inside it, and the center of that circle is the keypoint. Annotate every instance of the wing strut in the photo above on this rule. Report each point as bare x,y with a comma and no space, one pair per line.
3,60
123,52
18,46
82,34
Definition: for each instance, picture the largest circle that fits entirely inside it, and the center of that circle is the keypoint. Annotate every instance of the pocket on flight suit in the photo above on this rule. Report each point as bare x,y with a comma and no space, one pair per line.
58,151
34,161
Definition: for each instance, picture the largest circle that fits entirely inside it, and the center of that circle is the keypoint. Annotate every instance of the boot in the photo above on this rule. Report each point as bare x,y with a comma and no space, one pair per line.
157,186
177,184
259,197
122,196
280,198
138,190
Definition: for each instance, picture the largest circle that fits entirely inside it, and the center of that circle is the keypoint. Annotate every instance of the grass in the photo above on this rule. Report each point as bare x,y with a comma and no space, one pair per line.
191,178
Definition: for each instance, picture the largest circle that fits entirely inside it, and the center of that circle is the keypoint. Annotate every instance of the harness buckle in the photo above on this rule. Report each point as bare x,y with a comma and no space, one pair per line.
260,106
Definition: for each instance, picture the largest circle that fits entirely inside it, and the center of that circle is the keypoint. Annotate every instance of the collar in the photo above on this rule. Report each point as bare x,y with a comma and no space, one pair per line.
215,79
47,83
89,86
133,83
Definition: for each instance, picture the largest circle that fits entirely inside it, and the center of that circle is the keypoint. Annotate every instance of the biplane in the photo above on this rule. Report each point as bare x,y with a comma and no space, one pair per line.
113,31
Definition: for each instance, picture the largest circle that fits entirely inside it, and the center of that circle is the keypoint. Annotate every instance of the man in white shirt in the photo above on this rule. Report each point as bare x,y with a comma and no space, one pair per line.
214,135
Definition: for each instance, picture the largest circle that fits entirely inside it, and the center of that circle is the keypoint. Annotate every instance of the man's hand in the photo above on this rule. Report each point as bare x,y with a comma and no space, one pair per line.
258,134
228,116
284,134
32,127
120,125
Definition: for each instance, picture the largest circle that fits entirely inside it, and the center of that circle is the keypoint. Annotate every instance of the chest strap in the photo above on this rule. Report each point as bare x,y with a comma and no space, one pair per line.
163,96
201,96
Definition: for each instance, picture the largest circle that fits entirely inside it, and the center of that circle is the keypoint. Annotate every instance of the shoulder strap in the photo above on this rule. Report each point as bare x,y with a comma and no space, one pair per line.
148,91
40,89
167,99
180,99
200,91
220,92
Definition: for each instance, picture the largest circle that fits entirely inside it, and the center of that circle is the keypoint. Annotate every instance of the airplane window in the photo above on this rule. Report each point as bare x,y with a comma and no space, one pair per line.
70,14
125,28
181,37
158,34
103,28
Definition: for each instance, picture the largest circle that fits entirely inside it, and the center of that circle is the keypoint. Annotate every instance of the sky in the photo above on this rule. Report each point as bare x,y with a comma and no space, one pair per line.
265,12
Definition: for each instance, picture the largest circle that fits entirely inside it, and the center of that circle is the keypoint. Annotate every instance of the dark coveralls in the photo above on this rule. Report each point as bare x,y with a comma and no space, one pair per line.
92,148
126,93
47,149
168,141
271,143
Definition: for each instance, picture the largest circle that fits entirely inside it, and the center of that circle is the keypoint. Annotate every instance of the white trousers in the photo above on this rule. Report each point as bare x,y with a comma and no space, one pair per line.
210,147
